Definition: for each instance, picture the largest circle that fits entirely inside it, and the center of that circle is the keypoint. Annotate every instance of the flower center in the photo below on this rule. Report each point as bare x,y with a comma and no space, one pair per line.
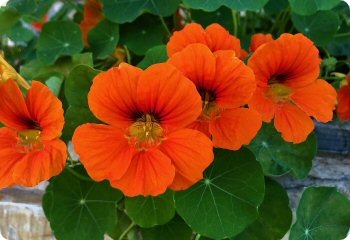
146,132
279,93
209,107
29,140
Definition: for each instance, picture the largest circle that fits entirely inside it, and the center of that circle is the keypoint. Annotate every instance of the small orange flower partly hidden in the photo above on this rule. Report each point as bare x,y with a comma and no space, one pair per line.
39,24
225,84
258,40
146,146
30,150
343,108
92,16
214,36
286,71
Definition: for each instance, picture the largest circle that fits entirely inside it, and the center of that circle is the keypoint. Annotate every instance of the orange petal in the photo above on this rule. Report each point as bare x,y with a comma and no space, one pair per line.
38,166
191,33
258,40
293,123
235,127
92,15
234,81
202,126
103,150
191,152
164,92
112,97
291,59
13,109
9,156
317,100
221,39
343,108
197,63
150,173
263,105
45,110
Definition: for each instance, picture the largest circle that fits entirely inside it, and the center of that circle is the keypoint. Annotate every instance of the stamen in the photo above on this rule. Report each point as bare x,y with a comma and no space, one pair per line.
29,140
279,93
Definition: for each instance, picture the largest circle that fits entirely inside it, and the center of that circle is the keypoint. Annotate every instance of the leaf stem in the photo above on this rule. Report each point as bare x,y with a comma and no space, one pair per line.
235,22
198,236
78,175
342,34
126,231
165,26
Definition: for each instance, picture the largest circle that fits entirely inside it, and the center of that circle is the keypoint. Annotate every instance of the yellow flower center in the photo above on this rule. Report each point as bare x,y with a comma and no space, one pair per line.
279,93
29,140
146,132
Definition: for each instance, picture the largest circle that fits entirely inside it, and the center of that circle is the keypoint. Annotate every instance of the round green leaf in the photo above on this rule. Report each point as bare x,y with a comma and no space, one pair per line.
150,211
103,38
226,200
275,215
322,214
19,33
176,229
55,84
275,6
23,6
8,18
146,32
309,7
122,11
278,157
59,38
212,5
79,209
319,27
154,55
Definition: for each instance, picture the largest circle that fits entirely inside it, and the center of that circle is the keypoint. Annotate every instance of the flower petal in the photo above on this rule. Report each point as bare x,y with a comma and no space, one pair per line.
92,15
9,156
103,150
163,91
259,39
38,166
202,126
191,33
221,39
150,173
112,97
293,123
263,105
45,110
235,127
234,81
343,108
191,152
317,100
13,109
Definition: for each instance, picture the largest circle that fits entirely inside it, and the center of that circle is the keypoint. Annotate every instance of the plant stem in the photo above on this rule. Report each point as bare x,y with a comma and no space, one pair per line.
78,175
165,26
342,34
198,236
126,231
235,22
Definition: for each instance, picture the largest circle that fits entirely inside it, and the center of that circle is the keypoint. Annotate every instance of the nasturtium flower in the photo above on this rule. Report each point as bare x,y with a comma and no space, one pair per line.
92,16
225,84
214,36
289,91
258,40
145,146
30,151
343,108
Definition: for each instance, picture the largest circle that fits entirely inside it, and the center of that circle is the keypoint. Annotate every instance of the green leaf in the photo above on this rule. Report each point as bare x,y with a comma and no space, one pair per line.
319,27
322,214
275,215
19,33
278,157
79,209
226,201
150,211
275,6
59,38
55,84
176,229
309,7
23,6
144,33
122,11
154,55
103,38
238,5
223,16
122,224
8,18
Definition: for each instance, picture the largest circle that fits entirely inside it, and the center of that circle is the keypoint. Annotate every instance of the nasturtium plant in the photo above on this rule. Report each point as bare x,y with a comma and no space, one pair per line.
310,7
235,4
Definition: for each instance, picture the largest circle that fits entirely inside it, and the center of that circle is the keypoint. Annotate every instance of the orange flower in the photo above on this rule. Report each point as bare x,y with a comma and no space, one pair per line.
225,83
39,24
258,40
92,16
286,71
145,147
30,150
214,36
343,108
